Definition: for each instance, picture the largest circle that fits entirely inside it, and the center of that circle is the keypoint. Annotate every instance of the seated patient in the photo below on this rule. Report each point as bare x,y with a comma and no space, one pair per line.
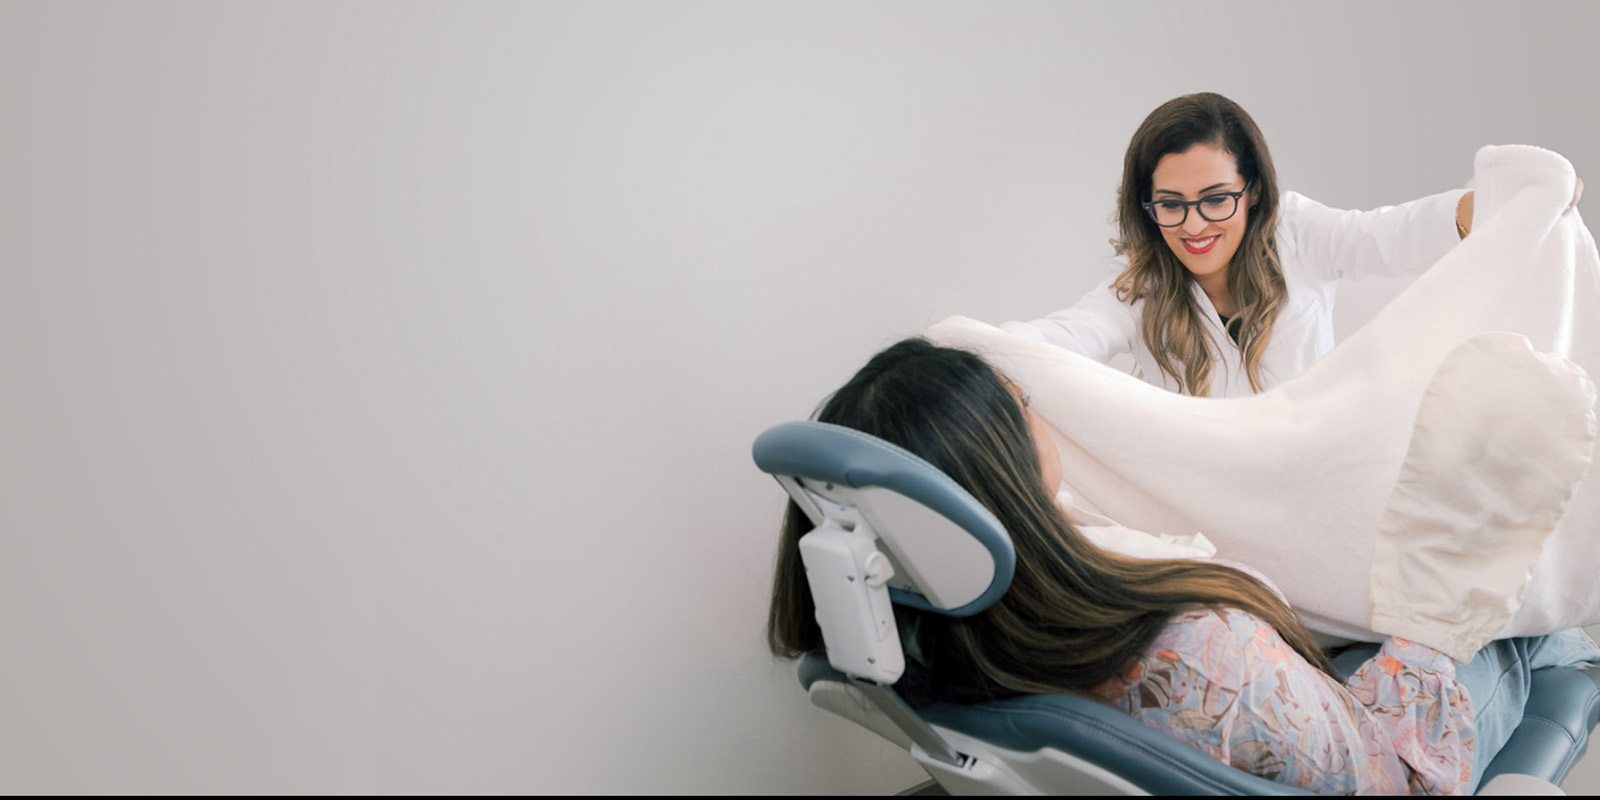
1206,651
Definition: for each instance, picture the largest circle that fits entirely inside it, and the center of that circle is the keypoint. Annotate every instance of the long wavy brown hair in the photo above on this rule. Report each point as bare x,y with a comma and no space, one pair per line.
1171,323
1075,615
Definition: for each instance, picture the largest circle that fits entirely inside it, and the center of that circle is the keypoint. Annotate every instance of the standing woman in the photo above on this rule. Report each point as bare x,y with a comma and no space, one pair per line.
1227,287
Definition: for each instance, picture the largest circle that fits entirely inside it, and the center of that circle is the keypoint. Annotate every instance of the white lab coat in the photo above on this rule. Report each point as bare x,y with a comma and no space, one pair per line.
1317,246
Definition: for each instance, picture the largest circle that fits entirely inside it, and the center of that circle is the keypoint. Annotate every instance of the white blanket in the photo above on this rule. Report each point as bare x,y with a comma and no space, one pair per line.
1410,482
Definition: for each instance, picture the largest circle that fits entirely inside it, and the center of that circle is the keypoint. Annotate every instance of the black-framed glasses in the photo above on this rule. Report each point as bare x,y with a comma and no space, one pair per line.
1218,207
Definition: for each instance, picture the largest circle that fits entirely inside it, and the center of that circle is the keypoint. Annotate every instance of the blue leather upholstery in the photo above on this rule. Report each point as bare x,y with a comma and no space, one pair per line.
1562,709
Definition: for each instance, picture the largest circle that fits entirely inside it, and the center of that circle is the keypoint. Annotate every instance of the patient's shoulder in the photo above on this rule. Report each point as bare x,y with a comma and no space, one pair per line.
1193,669
1210,652
1224,626
1218,646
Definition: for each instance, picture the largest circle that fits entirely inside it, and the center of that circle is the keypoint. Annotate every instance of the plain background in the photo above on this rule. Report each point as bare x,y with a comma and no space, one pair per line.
377,379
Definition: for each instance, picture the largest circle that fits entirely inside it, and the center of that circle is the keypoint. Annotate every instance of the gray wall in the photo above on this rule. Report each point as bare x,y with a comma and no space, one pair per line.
377,379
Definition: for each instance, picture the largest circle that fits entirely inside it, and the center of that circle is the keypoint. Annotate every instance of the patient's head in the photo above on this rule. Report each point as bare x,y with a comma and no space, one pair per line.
1075,615
954,411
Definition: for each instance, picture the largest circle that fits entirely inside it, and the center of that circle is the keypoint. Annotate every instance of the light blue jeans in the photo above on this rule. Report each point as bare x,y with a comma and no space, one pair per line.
1498,680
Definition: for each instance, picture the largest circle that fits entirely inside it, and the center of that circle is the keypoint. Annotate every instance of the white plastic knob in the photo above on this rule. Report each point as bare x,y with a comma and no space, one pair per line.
878,570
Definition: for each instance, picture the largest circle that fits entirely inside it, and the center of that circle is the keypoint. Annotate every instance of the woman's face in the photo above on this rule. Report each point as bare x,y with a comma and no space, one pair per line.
1205,248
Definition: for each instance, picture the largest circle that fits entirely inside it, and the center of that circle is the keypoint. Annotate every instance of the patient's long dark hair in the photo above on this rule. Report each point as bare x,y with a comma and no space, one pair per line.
1075,615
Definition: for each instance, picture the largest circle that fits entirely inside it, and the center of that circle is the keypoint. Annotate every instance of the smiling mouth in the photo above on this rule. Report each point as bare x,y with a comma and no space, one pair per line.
1201,245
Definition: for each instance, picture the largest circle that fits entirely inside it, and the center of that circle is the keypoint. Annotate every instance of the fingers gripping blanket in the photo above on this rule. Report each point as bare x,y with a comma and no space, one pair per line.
1412,481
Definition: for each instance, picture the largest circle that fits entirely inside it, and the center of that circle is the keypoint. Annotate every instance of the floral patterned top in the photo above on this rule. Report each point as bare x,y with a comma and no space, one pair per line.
1224,681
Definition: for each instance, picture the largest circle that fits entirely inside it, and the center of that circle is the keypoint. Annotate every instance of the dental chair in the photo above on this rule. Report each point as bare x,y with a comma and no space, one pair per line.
892,529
